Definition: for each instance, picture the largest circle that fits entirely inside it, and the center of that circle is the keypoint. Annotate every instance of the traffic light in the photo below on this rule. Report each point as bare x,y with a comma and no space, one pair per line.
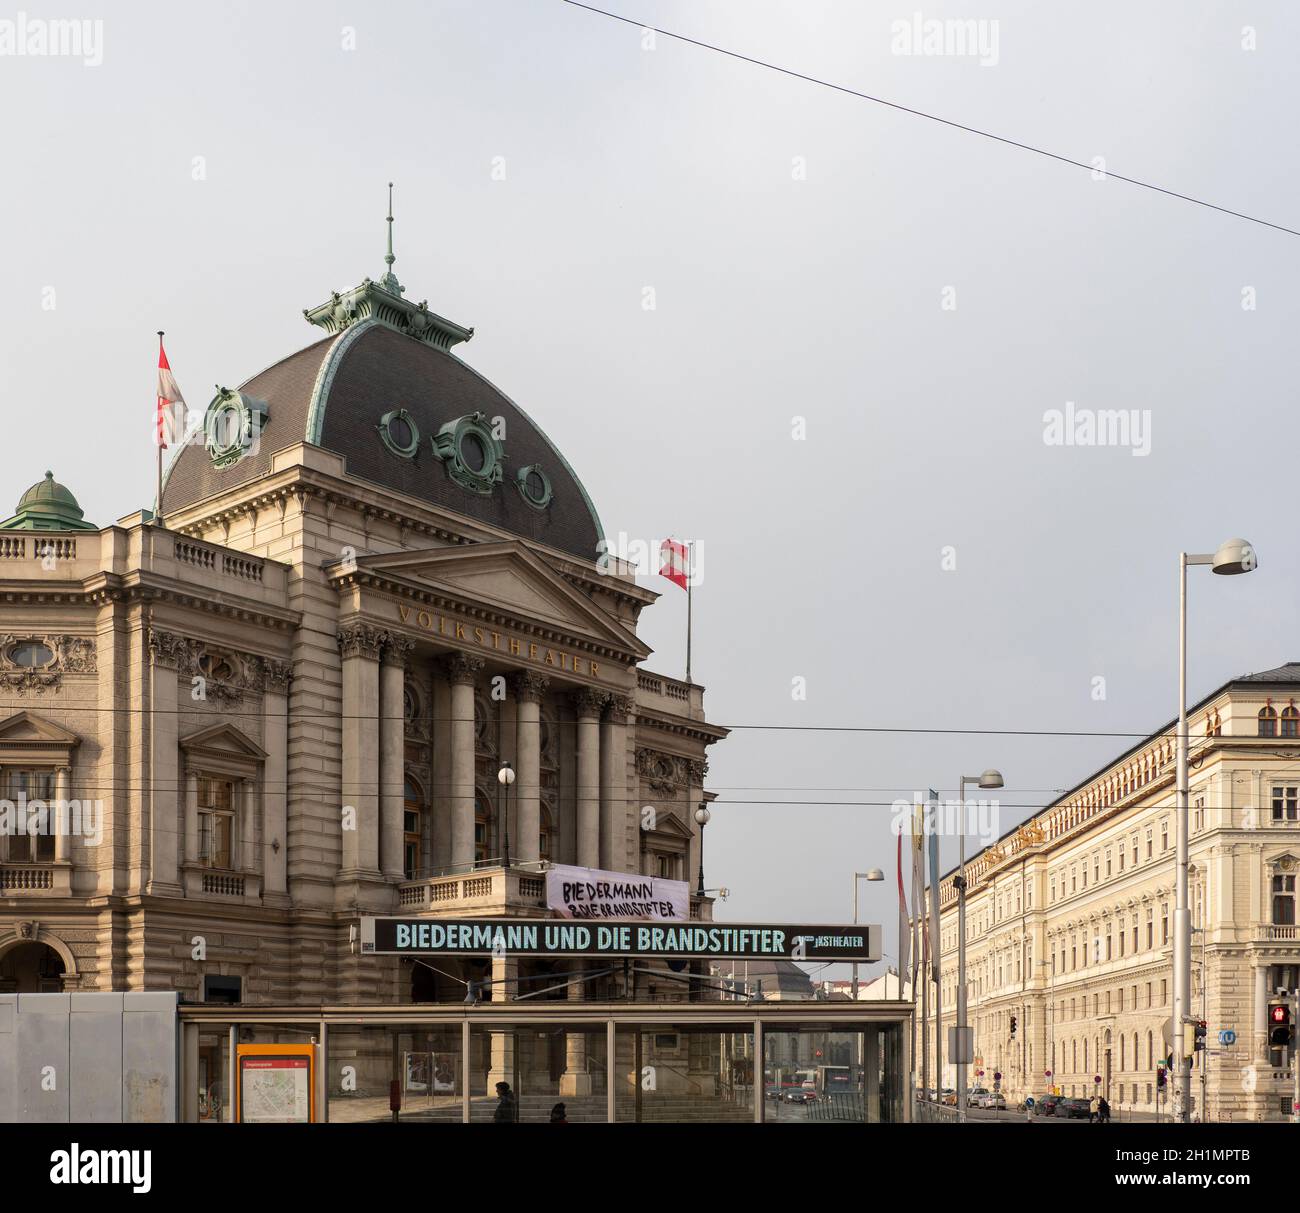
1200,1035
1280,1028
1013,1025
1160,1077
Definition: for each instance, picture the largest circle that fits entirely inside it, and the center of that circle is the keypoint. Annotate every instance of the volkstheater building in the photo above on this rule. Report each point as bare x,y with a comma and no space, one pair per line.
285,705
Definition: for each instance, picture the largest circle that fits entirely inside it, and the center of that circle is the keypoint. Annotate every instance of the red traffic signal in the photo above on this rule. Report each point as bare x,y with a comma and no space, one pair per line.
1281,1014
1279,1021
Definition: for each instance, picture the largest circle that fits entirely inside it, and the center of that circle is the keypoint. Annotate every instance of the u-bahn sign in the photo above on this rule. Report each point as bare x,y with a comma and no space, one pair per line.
533,937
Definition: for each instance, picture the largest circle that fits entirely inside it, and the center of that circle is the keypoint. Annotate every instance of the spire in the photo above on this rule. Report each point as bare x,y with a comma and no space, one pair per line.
382,302
389,280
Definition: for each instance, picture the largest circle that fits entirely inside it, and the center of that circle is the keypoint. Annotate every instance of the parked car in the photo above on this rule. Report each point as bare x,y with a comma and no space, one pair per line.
1073,1109
1045,1105
948,1097
993,1100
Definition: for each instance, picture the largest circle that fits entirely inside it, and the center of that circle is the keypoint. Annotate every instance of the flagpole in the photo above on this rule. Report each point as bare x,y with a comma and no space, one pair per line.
690,569
157,513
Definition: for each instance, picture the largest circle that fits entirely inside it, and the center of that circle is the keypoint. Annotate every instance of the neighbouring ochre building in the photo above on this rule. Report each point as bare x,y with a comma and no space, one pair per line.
1069,916
375,581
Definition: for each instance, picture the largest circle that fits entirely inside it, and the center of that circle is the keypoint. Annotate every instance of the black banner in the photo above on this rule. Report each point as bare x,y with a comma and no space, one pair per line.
644,940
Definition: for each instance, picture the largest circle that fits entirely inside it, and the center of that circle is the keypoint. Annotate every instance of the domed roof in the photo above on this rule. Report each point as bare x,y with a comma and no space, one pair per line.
47,506
383,391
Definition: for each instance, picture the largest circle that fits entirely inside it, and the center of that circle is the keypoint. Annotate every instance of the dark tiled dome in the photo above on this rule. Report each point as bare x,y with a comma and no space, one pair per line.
335,393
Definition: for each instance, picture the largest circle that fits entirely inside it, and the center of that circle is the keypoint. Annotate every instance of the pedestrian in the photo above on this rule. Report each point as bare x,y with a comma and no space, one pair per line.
507,1112
1103,1110
1094,1109
558,1116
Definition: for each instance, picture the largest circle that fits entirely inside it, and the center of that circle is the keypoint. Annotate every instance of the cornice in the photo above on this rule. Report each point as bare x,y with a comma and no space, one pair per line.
697,730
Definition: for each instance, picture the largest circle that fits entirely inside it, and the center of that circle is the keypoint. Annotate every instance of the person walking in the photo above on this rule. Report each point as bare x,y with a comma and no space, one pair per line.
1103,1110
507,1112
1094,1109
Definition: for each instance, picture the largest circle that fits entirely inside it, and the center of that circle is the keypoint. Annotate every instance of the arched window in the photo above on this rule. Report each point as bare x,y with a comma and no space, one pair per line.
1267,722
1150,1049
1122,1054
1290,722
412,819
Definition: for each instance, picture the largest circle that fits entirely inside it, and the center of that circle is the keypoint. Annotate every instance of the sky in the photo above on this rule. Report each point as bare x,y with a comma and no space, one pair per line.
822,337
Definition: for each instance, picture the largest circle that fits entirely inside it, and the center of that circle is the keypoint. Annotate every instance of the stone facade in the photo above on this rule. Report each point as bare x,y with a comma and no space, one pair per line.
1070,917
287,708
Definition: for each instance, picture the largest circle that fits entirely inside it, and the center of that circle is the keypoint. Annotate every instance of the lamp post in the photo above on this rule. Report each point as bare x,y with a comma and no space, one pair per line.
989,779
505,777
873,874
702,816
1233,556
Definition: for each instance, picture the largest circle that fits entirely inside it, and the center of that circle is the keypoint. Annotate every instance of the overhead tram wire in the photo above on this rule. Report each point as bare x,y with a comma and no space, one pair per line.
916,113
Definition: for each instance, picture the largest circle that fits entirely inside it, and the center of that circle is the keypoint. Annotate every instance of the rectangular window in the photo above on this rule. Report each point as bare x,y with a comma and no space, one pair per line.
1164,835
1148,994
1074,881
1096,868
1135,933
1164,991
1164,924
1135,848
216,822
1108,864
1150,843
1284,900
30,838
1284,803
1151,930
1198,818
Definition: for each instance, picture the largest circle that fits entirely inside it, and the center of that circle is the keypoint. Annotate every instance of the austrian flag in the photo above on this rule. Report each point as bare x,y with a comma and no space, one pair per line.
675,562
171,404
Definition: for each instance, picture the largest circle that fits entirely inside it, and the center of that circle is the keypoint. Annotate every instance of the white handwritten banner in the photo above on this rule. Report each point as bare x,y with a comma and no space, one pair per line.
589,893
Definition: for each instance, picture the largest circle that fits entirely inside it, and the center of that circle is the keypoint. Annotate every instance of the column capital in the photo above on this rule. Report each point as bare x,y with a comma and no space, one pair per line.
588,702
618,708
397,648
360,640
462,669
276,674
529,686
168,649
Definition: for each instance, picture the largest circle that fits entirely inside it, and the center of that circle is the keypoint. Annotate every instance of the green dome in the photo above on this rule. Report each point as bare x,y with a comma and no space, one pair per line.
47,506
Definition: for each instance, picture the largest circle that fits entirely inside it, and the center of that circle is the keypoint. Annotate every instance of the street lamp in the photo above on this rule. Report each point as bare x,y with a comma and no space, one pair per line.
873,874
1234,556
989,779
702,816
505,777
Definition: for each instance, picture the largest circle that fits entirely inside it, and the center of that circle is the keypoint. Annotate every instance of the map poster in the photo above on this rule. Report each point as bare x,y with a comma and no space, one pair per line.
274,1088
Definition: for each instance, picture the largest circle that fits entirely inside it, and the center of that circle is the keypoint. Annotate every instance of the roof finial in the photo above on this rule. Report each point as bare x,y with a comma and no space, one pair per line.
390,258
389,280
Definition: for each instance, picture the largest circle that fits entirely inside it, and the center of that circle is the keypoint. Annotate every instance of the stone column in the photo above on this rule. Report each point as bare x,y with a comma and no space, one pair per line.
61,818
392,754
588,704
613,783
360,645
529,689
275,784
162,818
462,670
1260,1016
502,1044
576,1079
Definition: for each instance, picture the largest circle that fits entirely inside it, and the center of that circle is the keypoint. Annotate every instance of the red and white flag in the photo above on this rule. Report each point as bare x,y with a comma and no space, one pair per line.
675,562
171,404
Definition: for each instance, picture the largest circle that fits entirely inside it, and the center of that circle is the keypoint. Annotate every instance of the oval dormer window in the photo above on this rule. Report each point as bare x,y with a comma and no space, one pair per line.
400,433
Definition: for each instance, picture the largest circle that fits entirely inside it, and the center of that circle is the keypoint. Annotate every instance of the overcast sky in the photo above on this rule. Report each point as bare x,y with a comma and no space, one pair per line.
221,170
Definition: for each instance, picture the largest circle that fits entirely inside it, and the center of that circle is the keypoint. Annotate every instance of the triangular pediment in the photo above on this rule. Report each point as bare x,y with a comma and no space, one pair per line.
667,822
511,578
26,728
223,737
